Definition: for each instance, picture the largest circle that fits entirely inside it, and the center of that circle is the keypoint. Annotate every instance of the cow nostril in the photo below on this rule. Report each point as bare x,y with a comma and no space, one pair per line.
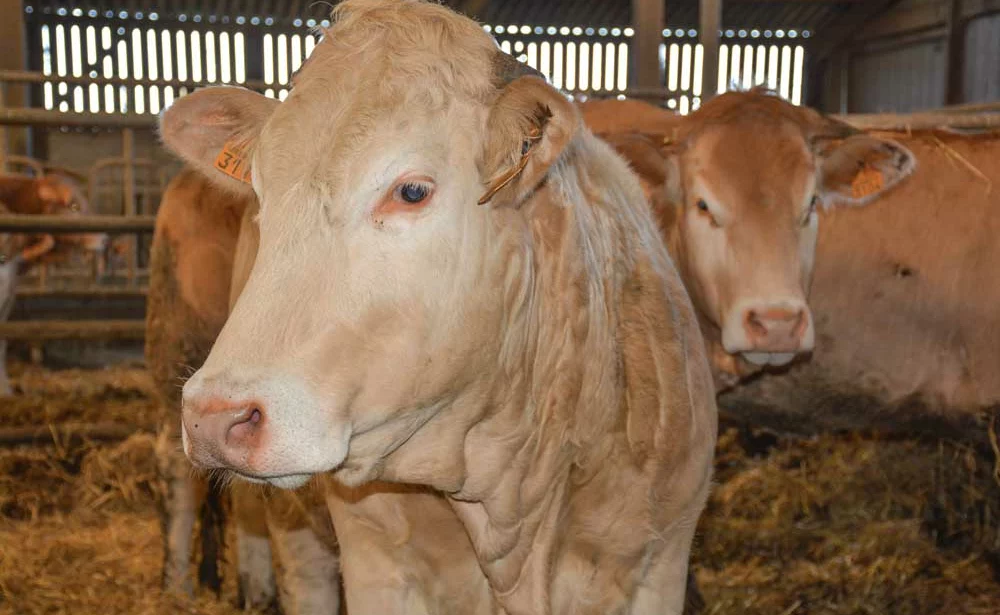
801,324
754,326
244,424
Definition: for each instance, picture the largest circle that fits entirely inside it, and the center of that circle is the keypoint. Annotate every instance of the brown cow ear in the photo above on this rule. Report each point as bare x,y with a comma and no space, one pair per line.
214,130
856,170
673,182
528,128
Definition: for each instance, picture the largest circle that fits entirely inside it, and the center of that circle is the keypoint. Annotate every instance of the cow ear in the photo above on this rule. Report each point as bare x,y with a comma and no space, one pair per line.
214,130
528,128
857,169
655,159
673,183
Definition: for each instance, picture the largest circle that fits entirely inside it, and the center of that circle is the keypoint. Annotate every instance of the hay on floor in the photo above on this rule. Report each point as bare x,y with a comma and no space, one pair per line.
834,525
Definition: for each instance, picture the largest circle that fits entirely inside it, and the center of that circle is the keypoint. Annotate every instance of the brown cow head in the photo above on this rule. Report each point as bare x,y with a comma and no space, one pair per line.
743,179
60,195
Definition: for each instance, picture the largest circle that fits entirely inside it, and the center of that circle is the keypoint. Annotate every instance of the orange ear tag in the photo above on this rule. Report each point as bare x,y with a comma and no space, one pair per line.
867,182
232,161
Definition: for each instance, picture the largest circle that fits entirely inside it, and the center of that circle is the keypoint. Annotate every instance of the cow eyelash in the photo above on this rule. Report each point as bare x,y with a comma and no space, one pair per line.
813,204
413,193
704,209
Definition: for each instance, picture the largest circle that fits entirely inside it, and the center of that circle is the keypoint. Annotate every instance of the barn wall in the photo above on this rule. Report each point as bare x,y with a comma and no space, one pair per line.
981,81
899,61
906,79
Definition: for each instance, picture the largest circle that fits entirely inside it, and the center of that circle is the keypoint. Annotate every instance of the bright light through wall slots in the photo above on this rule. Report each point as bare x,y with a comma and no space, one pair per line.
591,60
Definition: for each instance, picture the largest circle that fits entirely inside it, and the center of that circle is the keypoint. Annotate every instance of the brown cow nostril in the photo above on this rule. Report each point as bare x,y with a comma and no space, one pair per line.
754,325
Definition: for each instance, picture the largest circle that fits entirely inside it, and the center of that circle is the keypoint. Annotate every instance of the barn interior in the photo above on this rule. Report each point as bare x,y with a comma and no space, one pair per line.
826,523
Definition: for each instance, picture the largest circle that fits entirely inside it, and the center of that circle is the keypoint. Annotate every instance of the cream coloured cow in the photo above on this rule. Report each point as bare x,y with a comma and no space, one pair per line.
194,259
534,359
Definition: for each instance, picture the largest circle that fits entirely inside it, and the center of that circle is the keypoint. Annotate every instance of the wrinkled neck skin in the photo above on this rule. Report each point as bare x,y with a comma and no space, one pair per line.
728,370
510,452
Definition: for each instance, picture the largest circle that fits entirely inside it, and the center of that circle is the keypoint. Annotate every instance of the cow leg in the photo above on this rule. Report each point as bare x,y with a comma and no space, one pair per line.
8,288
662,591
178,510
5,390
213,532
310,578
369,527
694,602
255,568
403,550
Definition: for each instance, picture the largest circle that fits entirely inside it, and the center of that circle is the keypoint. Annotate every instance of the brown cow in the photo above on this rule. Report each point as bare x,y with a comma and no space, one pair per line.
907,337
905,296
191,267
743,179
57,195
612,116
529,359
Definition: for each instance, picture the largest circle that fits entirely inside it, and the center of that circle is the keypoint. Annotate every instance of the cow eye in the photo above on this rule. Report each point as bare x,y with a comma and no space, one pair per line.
413,192
703,209
813,203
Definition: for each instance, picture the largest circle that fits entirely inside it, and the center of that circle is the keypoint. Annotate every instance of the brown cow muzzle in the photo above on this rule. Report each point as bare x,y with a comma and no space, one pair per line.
769,333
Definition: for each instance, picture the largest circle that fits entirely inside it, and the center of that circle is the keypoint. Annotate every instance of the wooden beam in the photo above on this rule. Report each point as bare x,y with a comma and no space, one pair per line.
954,55
38,330
648,20
710,20
12,57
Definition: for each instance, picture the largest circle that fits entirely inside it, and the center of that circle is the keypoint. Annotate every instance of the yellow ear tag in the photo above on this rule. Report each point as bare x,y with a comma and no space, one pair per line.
501,182
867,182
233,161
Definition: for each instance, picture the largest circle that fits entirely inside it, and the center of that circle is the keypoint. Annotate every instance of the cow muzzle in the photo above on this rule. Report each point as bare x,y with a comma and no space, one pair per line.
769,333
220,432
258,430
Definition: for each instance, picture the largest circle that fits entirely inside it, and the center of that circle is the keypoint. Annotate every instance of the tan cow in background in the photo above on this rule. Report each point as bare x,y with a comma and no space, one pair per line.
57,195
743,179
613,116
535,359
902,291
905,297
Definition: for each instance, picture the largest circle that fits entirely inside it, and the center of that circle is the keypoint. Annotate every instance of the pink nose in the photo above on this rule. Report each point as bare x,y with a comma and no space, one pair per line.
221,432
775,330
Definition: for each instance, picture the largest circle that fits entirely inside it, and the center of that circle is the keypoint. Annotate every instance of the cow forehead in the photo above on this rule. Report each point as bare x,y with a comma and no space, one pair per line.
348,99
759,164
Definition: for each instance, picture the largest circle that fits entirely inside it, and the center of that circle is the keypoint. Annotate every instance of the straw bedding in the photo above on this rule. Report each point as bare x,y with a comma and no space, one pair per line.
844,524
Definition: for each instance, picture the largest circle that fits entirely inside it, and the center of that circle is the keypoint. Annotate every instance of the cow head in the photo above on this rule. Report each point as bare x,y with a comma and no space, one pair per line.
377,294
61,195
745,177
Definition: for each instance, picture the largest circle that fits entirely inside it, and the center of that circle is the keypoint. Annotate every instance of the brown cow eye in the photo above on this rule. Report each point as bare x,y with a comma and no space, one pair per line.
702,205
813,203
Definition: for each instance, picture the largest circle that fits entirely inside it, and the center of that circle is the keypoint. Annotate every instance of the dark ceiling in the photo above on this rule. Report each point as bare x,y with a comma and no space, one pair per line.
766,14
